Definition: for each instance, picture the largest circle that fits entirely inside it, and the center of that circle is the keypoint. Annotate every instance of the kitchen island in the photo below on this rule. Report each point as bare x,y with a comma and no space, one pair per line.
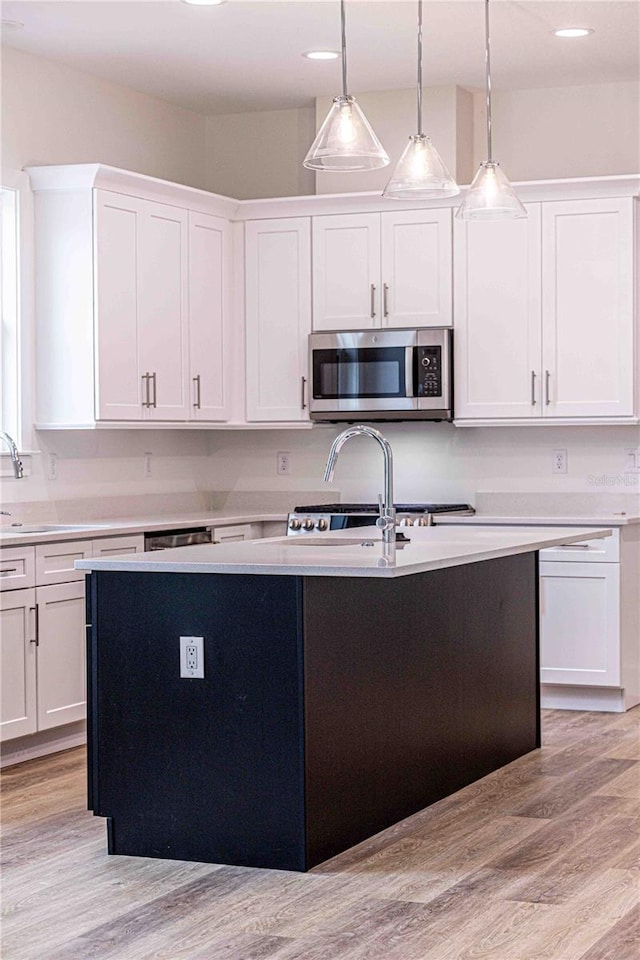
347,684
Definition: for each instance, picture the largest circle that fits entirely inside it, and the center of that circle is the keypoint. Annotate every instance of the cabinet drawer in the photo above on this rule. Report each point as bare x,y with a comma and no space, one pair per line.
238,531
17,568
598,550
54,561
115,546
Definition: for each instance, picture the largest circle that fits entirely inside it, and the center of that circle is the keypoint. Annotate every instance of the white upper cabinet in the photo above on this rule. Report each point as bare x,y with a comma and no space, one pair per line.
140,317
497,317
209,316
544,322
587,308
382,270
278,318
133,299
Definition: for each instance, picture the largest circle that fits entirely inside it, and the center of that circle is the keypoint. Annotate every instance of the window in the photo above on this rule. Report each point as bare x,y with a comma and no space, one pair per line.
10,330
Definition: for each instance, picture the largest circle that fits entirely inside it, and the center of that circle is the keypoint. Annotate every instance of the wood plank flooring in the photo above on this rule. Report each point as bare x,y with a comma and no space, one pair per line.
538,861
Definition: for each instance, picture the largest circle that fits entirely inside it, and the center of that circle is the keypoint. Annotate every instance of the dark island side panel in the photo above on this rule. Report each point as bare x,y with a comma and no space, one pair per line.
194,769
414,687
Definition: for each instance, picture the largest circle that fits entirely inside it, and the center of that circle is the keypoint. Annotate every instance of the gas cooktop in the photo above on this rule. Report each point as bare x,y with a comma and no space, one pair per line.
418,508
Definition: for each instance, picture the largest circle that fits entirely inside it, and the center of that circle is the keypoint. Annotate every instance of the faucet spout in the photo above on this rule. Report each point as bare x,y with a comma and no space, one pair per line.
387,519
16,462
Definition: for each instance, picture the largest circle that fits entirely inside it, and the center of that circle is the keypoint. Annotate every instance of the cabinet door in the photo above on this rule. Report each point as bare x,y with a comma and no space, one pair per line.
417,269
55,562
162,310
209,315
346,272
117,226
278,318
18,715
580,623
497,318
236,532
587,284
116,546
61,654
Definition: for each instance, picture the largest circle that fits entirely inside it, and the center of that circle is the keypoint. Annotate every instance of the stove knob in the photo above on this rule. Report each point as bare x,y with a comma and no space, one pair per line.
308,524
423,522
294,524
321,524
410,521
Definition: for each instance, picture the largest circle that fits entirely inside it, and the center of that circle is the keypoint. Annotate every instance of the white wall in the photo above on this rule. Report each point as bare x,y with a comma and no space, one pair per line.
557,132
54,114
252,155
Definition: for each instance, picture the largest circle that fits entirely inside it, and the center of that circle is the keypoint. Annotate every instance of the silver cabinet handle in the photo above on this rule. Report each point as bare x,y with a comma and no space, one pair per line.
533,388
153,402
385,299
196,402
574,546
303,402
373,301
145,380
36,625
547,377
8,570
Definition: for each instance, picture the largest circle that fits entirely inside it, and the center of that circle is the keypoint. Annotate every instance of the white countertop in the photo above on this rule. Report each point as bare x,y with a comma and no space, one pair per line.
90,529
342,553
610,520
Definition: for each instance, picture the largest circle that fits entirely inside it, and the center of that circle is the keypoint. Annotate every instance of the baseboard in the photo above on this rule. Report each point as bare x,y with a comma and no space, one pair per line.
605,699
41,744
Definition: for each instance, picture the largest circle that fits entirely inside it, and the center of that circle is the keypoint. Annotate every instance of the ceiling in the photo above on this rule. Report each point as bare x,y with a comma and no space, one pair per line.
246,54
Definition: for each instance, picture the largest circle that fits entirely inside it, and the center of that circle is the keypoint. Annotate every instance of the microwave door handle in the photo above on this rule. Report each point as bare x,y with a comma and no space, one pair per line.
410,372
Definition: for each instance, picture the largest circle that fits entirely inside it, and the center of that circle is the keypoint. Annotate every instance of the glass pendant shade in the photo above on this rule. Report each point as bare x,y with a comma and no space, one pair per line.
490,196
420,173
345,142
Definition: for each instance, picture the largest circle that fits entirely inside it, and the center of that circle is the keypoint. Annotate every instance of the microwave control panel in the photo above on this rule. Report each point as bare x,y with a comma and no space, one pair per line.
429,371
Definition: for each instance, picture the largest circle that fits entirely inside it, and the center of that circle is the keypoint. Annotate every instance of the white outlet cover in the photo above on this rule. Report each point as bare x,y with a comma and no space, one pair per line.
192,658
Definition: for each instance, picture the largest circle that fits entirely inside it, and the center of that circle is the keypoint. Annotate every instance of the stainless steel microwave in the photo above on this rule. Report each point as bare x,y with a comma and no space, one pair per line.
381,375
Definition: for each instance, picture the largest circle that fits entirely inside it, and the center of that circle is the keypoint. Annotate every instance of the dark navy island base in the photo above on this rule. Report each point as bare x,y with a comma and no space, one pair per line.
331,708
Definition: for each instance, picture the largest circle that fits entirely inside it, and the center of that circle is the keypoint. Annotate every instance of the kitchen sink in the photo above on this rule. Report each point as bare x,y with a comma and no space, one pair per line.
30,528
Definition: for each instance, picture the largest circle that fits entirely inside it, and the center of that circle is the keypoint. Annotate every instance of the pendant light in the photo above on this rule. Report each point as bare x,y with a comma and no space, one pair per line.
490,196
420,172
345,142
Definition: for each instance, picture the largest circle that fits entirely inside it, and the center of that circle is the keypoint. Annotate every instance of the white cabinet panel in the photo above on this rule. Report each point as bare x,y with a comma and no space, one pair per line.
55,561
497,317
236,532
416,268
18,715
117,224
162,299
346,272
588,307
209,316
278,318
61,654
580,623
116,546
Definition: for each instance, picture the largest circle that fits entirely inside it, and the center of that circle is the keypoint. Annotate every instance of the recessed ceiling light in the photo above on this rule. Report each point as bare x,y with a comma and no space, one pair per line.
321,55
205,3
11,25
573,32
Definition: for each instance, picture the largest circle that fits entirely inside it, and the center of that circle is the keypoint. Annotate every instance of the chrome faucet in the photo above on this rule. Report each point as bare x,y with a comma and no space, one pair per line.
387,519
16,462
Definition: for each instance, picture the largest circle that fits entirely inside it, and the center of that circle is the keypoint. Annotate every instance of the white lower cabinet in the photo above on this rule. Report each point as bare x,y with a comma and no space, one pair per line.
236,532
580,623
42,635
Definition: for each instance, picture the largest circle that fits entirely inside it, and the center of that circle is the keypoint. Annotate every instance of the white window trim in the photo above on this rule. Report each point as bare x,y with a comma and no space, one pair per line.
18,180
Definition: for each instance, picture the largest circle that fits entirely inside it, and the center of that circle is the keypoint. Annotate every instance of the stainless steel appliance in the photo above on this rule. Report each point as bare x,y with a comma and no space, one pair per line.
378,375
343,516
166,539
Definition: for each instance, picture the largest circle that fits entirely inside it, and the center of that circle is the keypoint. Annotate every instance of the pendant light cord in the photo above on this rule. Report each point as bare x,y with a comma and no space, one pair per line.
344,49
419,68
487,55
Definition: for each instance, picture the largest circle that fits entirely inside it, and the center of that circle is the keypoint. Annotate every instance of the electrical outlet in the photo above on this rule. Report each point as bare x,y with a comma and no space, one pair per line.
147,465
558,461
52,466
192,658
632,460
284,464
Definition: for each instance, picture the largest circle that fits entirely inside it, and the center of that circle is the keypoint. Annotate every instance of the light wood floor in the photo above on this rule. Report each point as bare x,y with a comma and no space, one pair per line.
538,861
